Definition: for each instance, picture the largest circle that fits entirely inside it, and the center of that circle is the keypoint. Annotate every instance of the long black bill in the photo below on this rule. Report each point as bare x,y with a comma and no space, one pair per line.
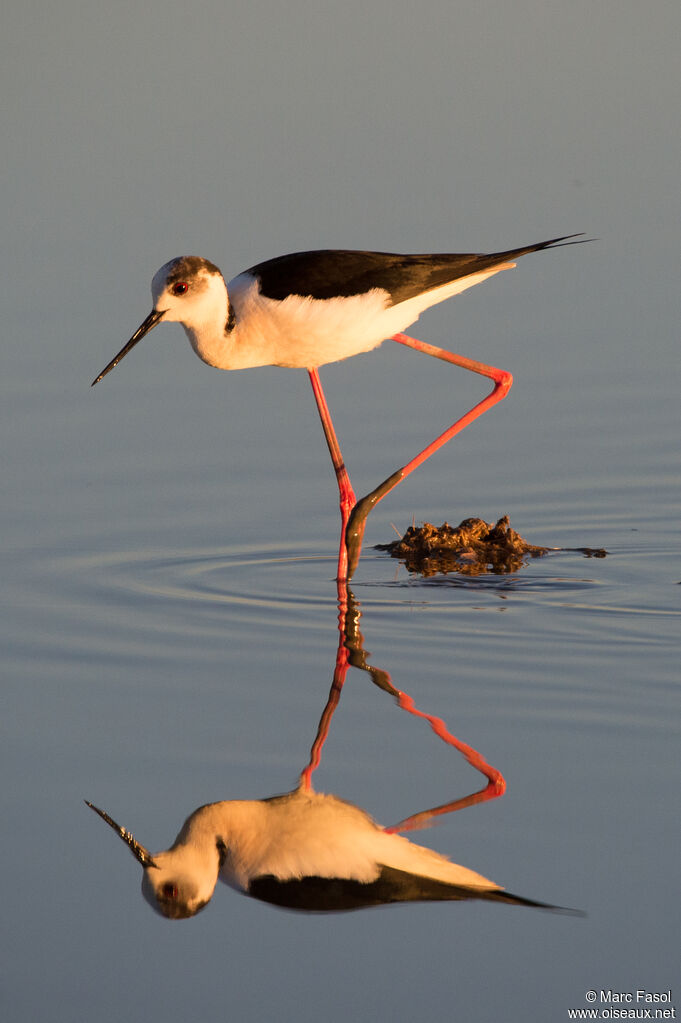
152,319
141,854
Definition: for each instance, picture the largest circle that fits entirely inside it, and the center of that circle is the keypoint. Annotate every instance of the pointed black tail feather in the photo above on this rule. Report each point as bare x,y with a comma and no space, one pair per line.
501,895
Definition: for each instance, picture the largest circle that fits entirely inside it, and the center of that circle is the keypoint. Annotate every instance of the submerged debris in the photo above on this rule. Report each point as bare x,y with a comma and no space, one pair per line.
474,547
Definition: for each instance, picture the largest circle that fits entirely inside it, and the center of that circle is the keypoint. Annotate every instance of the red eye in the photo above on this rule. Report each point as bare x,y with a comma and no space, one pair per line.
169,890
181,288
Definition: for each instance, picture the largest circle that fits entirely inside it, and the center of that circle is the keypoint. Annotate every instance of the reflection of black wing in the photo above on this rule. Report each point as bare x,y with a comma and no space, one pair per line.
329,273
334,894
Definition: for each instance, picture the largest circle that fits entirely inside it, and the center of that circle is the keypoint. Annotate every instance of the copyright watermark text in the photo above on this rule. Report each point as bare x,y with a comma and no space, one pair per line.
605,1003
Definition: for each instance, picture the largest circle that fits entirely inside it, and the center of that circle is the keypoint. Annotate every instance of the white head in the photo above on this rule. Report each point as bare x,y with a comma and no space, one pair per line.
177,883
187,290
175,887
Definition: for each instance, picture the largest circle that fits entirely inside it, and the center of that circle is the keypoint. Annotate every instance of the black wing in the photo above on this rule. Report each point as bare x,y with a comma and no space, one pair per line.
332,273
332,895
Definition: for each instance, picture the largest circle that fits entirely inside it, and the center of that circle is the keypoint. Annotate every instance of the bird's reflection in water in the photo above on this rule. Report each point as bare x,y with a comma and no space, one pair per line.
314,852
303,850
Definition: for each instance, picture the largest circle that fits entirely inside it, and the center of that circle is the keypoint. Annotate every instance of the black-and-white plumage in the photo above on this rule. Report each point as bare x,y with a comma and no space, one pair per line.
307,309
311,308
303,850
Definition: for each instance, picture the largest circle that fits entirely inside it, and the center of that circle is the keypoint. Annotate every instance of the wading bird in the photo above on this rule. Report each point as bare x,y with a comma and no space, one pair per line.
307,309
303,850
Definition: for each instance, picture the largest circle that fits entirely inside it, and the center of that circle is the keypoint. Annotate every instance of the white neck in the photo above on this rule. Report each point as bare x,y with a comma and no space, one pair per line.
206,324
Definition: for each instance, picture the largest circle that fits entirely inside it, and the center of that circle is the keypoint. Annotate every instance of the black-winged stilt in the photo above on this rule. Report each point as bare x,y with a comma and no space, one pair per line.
307,309
303,850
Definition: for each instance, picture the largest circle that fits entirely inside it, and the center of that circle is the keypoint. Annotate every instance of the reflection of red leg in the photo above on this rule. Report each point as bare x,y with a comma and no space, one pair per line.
345,491
418,821
502,385
325,720
339,673
474,758
496,784
351,652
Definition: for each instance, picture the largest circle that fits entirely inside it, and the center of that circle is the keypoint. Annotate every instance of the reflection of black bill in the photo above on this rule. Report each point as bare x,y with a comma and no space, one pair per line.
152,319
141,854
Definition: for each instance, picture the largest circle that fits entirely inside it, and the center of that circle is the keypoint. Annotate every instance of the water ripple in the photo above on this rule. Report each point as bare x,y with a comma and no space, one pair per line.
298,584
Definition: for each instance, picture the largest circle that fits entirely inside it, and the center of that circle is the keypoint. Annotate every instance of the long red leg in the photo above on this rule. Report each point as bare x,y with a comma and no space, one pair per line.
345,491
502,385
351,652
496,783
339,674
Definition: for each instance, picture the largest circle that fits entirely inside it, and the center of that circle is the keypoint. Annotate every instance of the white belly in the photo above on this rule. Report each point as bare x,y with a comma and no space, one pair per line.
305,333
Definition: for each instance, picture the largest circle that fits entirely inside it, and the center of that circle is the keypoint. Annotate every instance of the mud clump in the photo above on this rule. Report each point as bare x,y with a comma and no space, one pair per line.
474,547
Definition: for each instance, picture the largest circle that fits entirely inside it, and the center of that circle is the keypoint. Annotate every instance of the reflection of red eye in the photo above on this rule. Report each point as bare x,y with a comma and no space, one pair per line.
181,288
169,890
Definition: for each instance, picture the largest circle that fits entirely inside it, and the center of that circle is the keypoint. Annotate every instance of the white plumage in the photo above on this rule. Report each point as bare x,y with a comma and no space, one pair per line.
311,308
297,332
303,850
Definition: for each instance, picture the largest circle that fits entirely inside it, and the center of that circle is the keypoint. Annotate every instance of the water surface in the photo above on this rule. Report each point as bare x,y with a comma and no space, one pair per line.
170,638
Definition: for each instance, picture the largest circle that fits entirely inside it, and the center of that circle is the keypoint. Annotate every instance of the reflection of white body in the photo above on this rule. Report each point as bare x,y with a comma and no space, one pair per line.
303,850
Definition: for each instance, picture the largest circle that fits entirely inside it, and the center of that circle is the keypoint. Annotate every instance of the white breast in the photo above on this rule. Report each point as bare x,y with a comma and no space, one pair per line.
317,835
306,333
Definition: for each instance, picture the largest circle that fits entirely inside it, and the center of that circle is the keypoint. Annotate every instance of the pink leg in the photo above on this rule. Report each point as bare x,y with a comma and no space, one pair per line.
339,674
345,491
502,385
351,652
496,784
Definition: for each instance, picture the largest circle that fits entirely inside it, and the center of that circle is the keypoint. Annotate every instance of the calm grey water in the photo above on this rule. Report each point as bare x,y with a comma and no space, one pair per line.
169,538
170,635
